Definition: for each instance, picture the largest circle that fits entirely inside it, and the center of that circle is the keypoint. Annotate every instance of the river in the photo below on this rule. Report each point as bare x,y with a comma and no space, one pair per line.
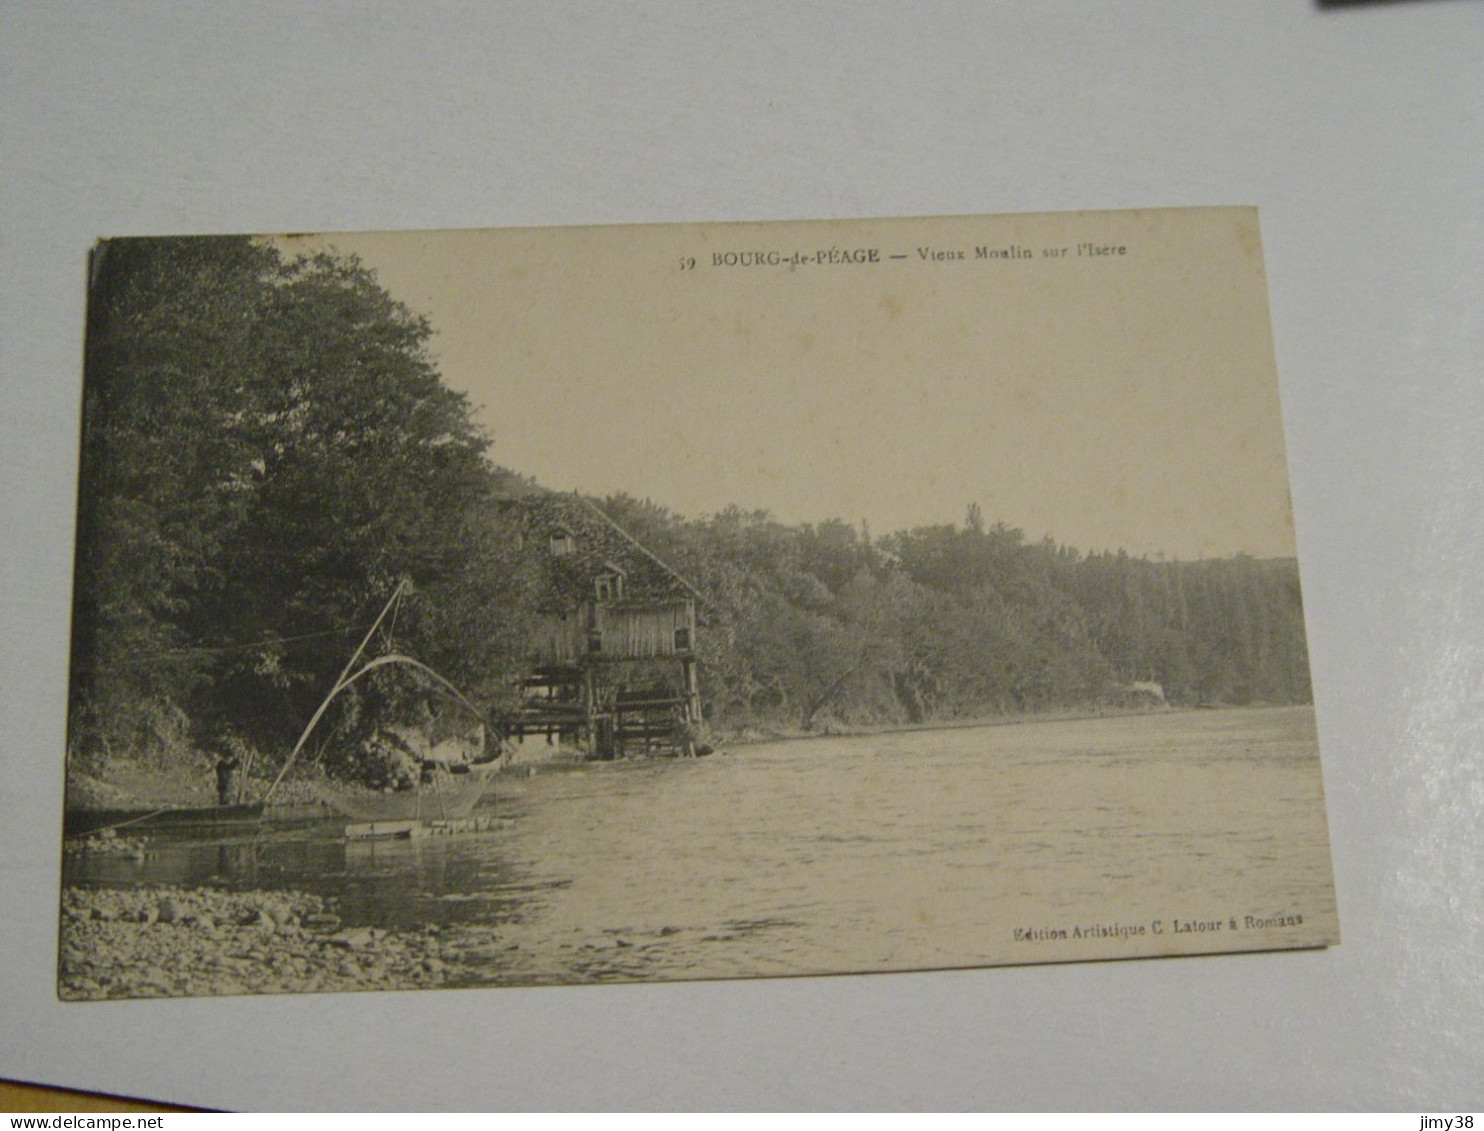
1176,832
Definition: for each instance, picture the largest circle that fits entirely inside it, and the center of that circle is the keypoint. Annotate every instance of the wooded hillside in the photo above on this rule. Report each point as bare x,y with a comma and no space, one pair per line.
268,451
940,622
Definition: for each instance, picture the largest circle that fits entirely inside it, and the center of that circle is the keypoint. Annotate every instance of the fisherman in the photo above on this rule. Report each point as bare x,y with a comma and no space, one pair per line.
226,777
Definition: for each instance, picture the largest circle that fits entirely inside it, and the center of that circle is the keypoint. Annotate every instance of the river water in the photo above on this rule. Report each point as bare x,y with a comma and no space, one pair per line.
1178,832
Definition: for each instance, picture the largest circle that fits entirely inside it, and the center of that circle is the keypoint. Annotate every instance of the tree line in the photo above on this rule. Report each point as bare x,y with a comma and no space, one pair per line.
821,622
269,452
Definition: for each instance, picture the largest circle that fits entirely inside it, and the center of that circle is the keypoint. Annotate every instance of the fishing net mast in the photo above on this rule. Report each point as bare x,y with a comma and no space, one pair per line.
350,673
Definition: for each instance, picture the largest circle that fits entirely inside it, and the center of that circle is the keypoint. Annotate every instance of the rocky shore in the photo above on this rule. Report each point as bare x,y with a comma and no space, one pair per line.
158,941
179,942
106,843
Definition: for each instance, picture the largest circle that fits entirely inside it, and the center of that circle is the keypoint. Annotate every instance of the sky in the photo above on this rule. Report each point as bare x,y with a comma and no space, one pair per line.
1120,400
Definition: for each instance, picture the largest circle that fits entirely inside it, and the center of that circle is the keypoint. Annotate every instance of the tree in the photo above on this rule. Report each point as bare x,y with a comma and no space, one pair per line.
160,477
268,452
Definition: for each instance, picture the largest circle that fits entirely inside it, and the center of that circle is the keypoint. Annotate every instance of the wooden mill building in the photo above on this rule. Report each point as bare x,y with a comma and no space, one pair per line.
613,660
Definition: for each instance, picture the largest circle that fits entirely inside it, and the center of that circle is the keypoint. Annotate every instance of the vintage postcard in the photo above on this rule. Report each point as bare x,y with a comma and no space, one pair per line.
537,607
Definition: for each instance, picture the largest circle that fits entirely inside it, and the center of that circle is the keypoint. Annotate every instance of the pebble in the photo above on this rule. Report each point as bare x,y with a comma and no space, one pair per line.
170,942
486,952
164,941
106,842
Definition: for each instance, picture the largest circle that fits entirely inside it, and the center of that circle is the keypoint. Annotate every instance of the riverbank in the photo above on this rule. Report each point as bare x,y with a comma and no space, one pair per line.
164,942
870,853
139,789
754,735
175,942
133,786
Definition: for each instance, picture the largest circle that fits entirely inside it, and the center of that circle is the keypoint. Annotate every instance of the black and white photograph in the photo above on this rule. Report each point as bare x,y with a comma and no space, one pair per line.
462,609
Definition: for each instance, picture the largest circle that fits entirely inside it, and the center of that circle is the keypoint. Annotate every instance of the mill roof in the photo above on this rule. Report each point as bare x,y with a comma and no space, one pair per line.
577,542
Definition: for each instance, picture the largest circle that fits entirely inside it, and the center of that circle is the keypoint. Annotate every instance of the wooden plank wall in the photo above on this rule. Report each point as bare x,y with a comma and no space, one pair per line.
629,632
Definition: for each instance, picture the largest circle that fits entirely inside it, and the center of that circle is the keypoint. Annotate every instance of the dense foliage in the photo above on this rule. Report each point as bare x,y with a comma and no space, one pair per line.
812,622
269,453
